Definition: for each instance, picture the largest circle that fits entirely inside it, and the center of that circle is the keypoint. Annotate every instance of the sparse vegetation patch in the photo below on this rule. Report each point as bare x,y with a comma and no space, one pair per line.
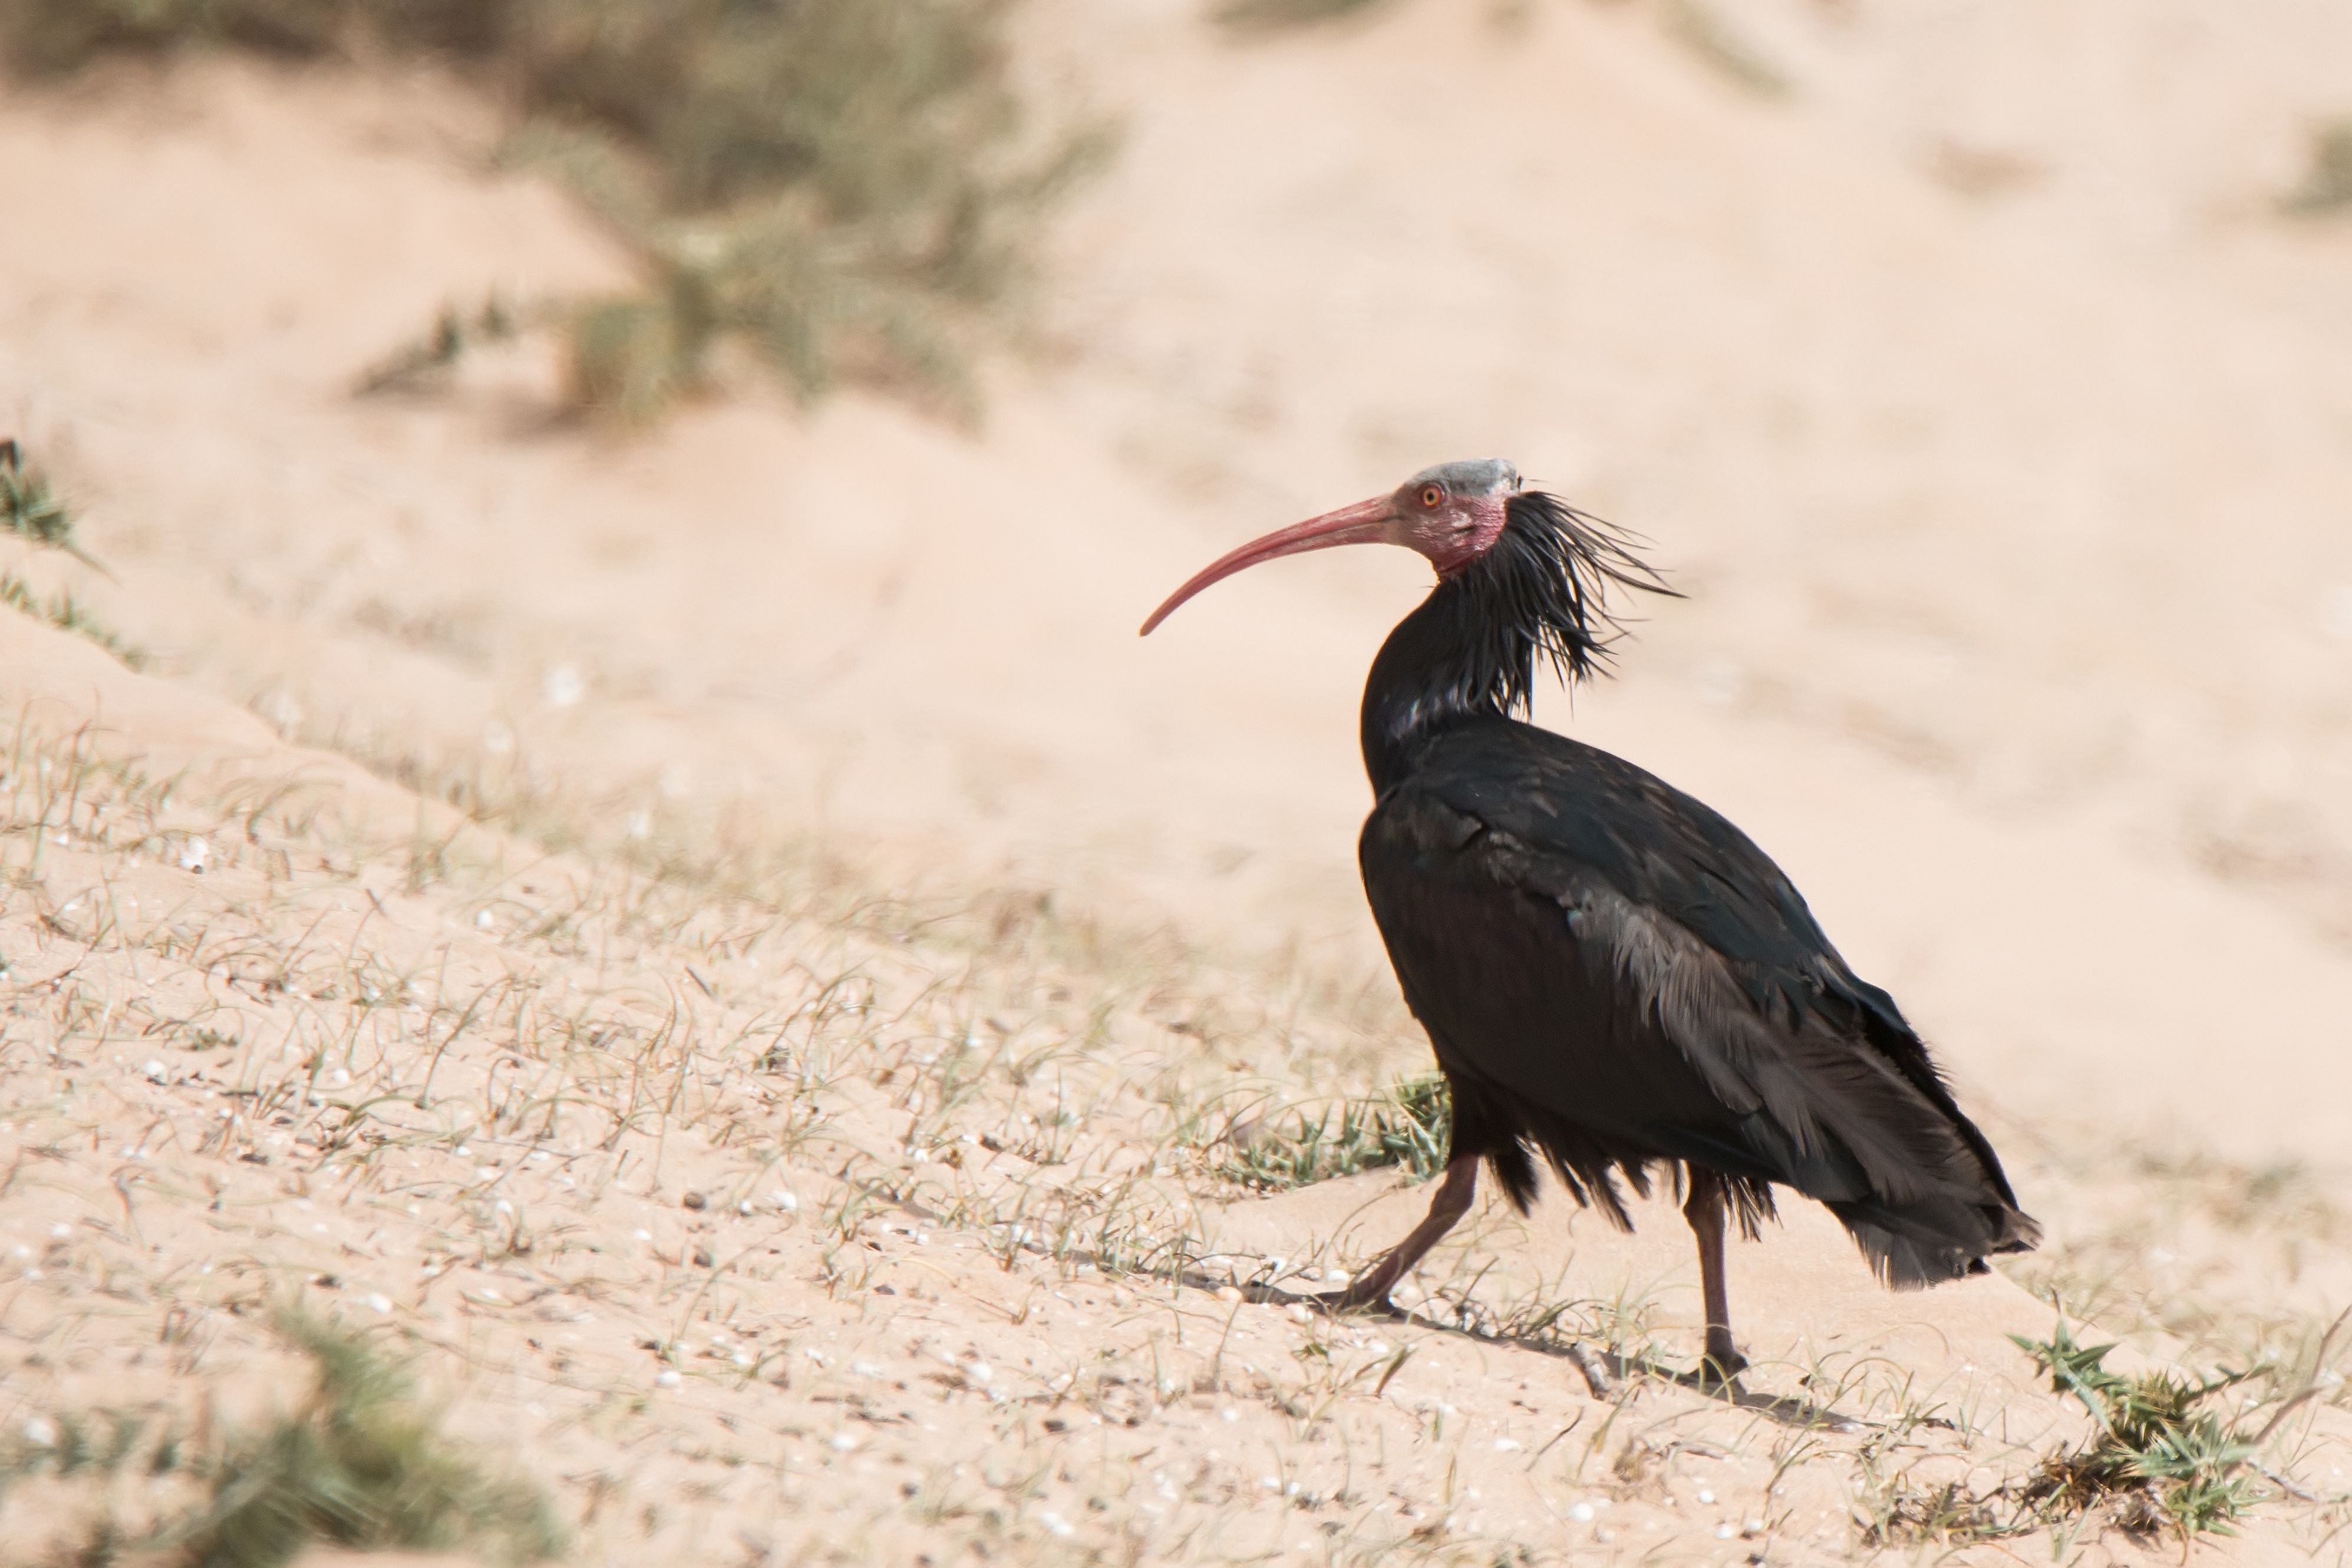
31,510
360,1464
1408,1124
2327,185
837,188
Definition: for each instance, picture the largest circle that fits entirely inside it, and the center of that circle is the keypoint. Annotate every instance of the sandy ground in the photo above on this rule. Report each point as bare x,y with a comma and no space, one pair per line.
1996,425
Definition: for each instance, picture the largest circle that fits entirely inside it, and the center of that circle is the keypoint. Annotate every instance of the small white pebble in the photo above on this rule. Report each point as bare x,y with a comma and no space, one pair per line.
865,1369
978,1372
1581,1512
843,1442
482,920
644,1236
40,1431
1299,1314
1229,1414
1506,1445
1755,1526
1706,1495
381,1302
666,1378
1724,1532
60,1231
193,853
1054,1523
786,1201
157,1072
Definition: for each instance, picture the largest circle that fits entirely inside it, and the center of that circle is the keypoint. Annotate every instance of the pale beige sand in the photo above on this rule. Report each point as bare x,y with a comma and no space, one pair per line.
2008,492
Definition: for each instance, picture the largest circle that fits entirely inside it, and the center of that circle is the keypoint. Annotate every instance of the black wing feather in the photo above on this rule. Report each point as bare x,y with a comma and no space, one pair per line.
1614,973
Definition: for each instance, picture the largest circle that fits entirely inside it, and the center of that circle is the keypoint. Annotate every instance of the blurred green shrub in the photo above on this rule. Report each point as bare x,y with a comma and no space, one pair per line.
846,187
2327,185
1268,15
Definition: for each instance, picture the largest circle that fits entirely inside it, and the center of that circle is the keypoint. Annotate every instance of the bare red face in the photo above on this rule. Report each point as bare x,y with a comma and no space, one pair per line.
1452,514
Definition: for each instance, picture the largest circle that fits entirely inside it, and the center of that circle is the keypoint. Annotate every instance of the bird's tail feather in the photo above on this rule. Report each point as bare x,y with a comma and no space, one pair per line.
1927,1244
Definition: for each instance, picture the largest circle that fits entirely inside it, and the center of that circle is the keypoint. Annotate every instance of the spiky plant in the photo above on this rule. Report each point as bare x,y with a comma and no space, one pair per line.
2161,1459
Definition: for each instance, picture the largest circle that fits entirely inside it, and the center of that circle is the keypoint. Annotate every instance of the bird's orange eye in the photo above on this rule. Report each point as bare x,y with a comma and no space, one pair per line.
1430,494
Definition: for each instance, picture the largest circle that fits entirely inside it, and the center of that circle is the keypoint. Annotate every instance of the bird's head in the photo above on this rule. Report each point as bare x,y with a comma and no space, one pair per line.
1452,514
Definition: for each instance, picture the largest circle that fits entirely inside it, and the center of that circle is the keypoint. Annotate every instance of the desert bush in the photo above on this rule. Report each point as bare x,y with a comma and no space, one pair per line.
843,188
360,1464
2160,1460
2327,185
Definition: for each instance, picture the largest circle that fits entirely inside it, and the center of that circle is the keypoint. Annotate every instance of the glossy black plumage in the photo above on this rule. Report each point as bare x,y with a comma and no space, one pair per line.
1611,973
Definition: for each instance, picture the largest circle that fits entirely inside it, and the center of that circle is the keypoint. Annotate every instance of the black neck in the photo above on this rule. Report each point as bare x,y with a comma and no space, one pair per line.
1439,667
1471,650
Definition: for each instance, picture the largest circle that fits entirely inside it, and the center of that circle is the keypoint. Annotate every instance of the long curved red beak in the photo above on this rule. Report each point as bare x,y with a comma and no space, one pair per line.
1365,523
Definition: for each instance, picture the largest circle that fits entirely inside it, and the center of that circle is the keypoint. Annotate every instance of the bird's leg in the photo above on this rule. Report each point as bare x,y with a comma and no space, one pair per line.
1705,1210
1371,1287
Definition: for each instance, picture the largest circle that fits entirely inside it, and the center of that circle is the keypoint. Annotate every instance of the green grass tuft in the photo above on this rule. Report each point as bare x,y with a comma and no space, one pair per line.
1408,1124
28,507
31,510
67,613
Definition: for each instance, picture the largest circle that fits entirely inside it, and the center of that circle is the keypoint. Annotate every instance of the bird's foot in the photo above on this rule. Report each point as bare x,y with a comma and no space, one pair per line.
1722,1366
1367,1292
1361,1295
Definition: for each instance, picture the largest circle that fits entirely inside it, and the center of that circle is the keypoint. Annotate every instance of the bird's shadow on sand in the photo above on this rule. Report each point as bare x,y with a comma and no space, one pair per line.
1606,1372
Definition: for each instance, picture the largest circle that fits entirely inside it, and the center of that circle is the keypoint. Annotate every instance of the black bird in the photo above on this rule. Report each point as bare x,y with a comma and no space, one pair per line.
1614,977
